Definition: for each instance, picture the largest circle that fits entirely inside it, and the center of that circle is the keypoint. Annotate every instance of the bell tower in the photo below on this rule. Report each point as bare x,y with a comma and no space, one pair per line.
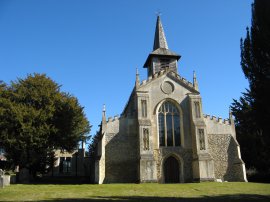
161,57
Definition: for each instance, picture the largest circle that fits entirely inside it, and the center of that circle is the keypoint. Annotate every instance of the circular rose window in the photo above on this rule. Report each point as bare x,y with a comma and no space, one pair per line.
167,87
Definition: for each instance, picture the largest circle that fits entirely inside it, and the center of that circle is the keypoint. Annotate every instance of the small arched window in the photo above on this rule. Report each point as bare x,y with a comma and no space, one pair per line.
169,125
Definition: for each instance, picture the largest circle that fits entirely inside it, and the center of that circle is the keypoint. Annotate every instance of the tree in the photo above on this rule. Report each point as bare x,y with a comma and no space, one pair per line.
36,119
252,110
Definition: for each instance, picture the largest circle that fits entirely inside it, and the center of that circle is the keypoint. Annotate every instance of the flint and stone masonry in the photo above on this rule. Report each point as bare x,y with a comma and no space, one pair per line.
162,135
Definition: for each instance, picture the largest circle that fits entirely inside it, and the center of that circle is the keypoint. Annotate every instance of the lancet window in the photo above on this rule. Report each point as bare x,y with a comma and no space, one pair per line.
201,139
144,108
197,109
146,139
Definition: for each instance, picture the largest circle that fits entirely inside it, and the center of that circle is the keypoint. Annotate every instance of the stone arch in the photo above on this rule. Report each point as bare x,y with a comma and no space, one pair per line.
177,105
180,166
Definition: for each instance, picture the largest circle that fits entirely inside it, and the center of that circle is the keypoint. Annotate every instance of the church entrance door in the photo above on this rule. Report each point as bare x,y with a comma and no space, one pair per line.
171,170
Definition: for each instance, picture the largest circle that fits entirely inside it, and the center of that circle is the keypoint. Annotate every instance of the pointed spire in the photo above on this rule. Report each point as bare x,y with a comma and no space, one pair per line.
195,82
137,83
160,39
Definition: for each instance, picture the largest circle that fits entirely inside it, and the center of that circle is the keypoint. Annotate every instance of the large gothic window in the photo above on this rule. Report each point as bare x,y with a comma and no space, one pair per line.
169,125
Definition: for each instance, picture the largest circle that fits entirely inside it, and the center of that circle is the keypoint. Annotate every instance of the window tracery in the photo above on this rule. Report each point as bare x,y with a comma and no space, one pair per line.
145,139
201,139
169,125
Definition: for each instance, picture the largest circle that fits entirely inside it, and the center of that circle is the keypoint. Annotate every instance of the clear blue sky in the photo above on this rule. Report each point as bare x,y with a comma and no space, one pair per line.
92,47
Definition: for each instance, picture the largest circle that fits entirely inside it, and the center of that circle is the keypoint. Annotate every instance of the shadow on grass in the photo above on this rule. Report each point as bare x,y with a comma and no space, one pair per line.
222,198
60,180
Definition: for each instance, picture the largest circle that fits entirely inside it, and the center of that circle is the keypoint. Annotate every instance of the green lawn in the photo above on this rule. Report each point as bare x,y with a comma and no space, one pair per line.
193,192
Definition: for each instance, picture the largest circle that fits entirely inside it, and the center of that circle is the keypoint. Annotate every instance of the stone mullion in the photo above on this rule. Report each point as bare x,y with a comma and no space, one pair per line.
173,129
165,127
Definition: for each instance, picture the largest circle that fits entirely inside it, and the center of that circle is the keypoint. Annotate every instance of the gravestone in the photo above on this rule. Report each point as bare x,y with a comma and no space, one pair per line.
6,180
1,178
1,182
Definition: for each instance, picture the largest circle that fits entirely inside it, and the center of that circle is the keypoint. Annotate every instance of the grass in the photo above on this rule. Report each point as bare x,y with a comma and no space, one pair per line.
193,192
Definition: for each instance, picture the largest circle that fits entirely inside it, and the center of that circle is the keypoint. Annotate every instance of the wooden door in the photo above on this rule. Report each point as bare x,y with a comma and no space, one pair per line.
171,170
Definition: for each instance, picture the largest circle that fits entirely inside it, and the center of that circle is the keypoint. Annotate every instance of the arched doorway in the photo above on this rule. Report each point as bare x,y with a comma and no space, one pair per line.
171,170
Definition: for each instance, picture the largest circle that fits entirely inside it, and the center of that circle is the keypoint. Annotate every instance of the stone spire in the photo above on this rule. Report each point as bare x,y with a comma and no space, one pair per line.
195,82
137,83
160,39
161,53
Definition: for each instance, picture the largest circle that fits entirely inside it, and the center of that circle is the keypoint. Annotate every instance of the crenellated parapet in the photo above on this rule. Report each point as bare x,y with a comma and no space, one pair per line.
215,119
217,125
112,119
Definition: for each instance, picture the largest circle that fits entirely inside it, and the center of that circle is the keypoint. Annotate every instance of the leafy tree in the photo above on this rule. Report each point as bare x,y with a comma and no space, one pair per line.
36,118
252,110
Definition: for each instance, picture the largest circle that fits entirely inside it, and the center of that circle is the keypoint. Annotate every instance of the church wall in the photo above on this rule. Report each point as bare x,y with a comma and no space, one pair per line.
228,165
184,157
218,126
179,95
224,149
219,148
121,151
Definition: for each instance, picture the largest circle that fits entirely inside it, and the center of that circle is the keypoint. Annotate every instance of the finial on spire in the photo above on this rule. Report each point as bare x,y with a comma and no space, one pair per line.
195,82
104,108
158,13
137,83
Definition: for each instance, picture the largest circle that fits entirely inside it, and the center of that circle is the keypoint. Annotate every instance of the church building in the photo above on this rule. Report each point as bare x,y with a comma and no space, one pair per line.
162,134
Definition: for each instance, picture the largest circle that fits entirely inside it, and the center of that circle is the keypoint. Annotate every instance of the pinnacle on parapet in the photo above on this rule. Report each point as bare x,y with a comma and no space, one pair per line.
137,83
231,116
104,113
104,122
195,82
160,39
230,113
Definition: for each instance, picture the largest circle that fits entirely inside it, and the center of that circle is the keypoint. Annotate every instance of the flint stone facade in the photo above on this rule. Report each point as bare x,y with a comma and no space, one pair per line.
162,134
